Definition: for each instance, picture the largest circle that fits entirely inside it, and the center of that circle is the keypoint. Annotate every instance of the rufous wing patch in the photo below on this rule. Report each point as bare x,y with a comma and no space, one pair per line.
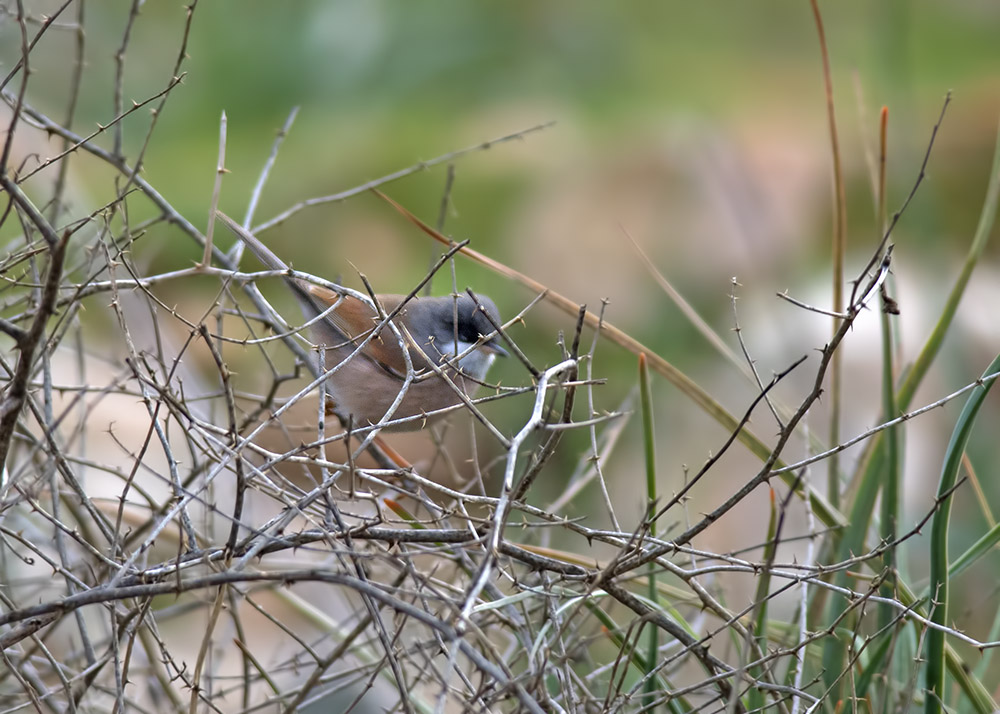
356,319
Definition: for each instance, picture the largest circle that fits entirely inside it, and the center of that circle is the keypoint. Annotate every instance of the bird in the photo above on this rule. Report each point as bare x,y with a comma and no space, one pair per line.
450,341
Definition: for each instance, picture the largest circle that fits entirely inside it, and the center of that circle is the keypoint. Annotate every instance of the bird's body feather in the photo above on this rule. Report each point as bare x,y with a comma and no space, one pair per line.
433,332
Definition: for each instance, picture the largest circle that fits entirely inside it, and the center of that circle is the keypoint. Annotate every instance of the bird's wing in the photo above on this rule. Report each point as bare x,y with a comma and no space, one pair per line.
350,322
356,319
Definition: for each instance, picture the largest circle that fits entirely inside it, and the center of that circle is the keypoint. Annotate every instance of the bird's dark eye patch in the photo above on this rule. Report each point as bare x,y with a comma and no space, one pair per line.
468,332
472,321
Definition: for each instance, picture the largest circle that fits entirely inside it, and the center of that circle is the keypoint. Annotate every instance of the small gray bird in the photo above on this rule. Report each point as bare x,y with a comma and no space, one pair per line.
367,383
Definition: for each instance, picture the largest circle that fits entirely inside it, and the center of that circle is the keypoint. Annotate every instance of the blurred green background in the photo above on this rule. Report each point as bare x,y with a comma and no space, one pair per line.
699,128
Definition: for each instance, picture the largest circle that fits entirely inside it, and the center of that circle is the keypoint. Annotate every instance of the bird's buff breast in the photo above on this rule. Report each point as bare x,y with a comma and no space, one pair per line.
366,391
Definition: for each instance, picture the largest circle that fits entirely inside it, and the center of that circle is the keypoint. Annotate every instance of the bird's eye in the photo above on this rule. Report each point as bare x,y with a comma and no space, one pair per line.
469,333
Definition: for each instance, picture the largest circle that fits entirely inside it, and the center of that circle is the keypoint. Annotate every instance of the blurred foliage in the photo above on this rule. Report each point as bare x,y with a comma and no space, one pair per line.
383,85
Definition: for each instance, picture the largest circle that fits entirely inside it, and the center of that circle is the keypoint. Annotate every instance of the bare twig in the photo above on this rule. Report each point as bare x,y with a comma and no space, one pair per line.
220,171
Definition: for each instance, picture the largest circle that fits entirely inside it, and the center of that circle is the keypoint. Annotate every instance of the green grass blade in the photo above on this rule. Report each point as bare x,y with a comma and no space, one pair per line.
649,450
873,460
676,705
755,698
939,580
889,517
873,463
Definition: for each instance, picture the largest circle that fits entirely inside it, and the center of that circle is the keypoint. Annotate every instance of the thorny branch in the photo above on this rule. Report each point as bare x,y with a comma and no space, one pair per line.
335,576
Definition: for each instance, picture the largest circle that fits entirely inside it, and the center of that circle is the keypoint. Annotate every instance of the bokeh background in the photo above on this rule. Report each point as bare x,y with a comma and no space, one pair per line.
698,128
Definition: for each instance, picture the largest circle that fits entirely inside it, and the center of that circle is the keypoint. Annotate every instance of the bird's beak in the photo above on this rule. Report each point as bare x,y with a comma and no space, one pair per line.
496,348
